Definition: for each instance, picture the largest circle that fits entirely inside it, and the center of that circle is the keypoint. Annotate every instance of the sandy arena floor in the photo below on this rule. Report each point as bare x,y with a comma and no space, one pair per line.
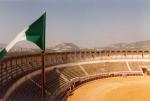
114,89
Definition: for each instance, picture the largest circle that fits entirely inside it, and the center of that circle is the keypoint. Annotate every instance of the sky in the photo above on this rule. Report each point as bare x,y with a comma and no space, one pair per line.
87,23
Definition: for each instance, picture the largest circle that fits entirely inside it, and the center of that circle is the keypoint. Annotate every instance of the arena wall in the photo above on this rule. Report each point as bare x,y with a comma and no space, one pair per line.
60,60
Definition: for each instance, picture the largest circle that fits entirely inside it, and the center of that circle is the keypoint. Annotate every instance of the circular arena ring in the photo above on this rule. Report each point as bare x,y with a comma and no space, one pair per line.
66,73
113,89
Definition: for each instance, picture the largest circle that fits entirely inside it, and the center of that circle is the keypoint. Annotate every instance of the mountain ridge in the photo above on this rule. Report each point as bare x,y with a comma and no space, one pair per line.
132,45
139,45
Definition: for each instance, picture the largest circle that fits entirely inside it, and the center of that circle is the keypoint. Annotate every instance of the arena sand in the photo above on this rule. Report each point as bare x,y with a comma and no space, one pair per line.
114,89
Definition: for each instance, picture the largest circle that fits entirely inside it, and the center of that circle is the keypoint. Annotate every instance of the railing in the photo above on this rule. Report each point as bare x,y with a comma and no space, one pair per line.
64,93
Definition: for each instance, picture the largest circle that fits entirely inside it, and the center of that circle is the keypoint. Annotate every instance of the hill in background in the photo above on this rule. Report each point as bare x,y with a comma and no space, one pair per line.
65,47
140,45
15,48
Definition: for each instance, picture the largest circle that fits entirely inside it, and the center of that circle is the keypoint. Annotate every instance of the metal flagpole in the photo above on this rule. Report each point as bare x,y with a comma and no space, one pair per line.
43,76
43,63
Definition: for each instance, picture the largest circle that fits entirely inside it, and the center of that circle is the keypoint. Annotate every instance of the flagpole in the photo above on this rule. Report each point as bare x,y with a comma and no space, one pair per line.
43,61
43,76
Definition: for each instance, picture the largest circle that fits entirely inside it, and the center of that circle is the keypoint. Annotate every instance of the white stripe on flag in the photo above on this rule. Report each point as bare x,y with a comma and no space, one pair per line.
20,37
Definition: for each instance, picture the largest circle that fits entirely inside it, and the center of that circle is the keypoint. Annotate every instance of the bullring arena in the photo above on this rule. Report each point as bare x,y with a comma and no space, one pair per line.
106,75
114,89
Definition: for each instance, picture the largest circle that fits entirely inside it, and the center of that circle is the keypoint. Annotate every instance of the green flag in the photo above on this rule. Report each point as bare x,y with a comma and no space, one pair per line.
34,33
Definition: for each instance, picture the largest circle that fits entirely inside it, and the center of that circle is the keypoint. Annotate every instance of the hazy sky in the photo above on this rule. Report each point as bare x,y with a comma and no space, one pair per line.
87,23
